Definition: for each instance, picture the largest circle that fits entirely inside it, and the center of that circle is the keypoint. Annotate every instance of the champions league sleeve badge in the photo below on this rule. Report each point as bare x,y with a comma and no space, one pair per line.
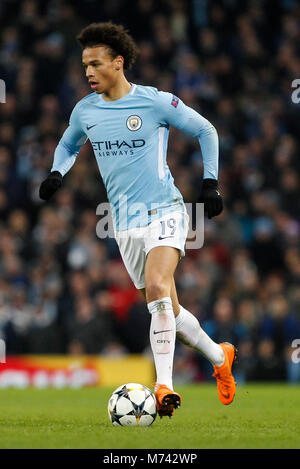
174,101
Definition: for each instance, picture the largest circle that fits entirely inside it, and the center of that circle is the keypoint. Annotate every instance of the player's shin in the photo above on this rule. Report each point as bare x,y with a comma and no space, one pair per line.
162,339
189,331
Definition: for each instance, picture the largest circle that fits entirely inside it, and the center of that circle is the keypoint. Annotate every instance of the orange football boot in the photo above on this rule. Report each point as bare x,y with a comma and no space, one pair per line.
166,400
225,381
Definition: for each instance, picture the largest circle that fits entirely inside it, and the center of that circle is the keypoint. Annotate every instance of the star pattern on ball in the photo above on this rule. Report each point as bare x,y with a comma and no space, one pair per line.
139,409
123,392
115,417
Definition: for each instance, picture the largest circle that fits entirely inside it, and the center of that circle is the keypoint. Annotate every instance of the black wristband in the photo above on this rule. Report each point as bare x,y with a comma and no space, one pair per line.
55,175
210,184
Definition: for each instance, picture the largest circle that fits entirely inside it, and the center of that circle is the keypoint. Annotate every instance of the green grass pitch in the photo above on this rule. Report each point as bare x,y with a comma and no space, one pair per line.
261,416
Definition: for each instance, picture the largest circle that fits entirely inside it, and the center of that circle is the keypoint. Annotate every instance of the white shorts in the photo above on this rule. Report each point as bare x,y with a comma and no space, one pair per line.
134,244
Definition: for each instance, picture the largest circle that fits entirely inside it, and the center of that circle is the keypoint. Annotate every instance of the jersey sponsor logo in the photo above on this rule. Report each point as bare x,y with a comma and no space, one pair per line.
134,122
174,101
117,147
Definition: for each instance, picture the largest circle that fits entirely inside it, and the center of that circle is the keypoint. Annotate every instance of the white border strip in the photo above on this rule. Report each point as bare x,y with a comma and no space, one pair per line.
133,89
161,170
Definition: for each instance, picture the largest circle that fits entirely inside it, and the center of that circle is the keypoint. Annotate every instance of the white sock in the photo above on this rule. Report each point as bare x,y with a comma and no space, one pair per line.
189,332
162,339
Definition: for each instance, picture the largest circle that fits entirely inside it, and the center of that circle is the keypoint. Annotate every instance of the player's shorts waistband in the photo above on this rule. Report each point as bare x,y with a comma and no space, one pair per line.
158,212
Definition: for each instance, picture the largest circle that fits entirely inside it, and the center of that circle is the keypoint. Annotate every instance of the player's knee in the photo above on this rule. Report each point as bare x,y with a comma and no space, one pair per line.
157,288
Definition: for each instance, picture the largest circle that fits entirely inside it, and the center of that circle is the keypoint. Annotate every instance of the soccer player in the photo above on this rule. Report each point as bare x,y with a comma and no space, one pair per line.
128,126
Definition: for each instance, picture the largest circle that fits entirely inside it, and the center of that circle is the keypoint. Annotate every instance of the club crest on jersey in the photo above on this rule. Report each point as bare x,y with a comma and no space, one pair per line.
134,123
174,101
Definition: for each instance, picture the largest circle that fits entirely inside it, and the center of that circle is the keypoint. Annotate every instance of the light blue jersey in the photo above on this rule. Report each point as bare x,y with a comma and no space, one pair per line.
129,137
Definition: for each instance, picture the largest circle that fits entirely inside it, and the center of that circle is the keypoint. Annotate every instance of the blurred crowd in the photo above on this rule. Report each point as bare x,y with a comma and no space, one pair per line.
62,289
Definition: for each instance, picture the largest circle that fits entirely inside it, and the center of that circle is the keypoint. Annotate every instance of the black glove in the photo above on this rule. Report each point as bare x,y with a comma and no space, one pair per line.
210,196
50,185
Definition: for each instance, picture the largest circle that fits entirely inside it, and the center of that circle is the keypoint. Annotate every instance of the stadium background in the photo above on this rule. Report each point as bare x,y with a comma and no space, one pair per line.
64,291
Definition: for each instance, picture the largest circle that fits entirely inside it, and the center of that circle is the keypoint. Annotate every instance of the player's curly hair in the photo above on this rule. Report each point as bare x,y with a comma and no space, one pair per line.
114,36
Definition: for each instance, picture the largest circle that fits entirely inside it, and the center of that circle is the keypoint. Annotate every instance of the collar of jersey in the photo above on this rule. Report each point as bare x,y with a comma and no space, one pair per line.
133,86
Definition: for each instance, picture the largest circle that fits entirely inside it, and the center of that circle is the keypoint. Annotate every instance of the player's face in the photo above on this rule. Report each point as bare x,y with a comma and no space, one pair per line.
101,69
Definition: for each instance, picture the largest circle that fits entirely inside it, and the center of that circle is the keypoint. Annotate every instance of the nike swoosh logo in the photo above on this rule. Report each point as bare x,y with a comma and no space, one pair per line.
226,395
89,127
158,332
164,237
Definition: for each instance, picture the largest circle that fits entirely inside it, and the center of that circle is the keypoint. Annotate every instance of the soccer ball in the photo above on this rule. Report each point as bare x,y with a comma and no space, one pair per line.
132,404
